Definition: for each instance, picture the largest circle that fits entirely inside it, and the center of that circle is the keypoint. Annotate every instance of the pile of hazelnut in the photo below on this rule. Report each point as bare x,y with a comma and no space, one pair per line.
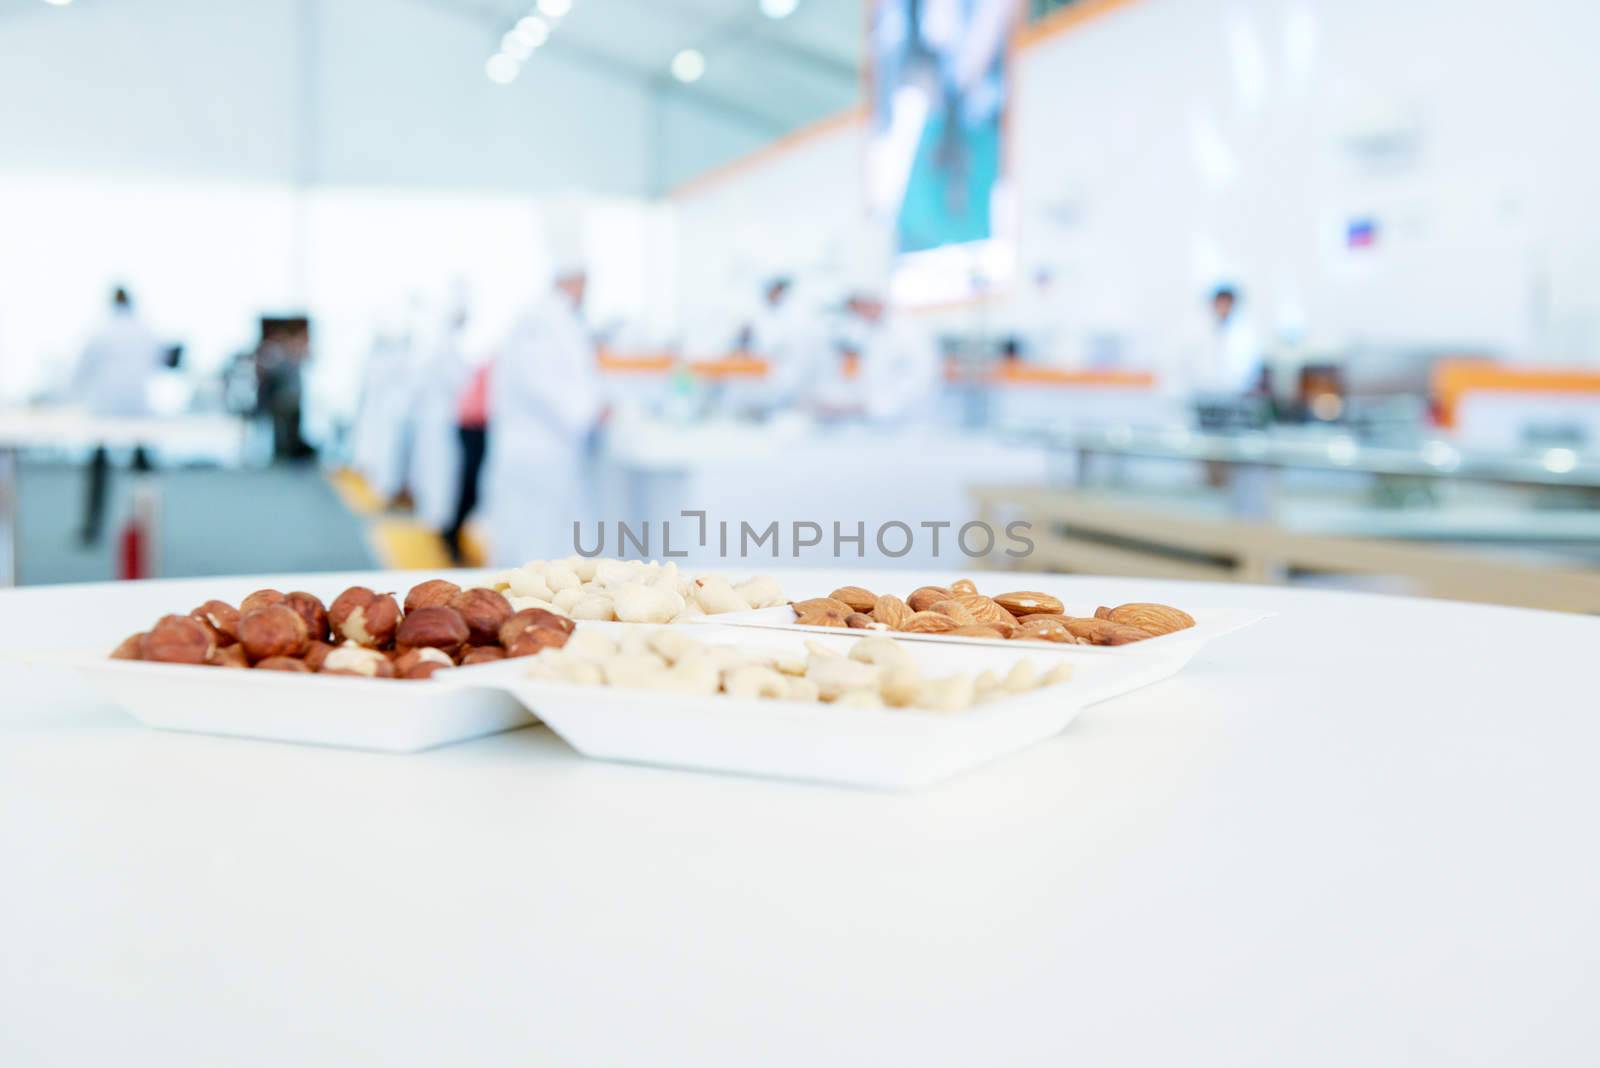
363,633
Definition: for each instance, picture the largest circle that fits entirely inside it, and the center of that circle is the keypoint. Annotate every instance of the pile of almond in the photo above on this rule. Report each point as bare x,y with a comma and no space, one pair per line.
960,610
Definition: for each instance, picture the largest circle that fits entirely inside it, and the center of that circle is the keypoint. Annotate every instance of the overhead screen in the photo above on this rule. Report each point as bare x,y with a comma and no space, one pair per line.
936,159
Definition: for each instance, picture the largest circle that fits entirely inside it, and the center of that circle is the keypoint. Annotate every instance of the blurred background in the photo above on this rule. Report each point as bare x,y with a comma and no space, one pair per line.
1263,290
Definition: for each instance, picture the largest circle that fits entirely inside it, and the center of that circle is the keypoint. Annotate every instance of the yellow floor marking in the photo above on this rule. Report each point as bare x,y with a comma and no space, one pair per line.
406,545
354,491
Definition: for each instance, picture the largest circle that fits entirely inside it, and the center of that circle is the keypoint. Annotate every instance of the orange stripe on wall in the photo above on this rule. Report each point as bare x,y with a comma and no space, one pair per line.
1072,17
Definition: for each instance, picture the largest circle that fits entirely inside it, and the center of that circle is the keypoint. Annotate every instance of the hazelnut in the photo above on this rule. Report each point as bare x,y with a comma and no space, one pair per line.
311,609
437,627
485,611
222,618
529,618
274,631
352,659
421,663
260,599
129,649
430,594
483,654
177,640
316,652
536,640
283,663
359,615
229,656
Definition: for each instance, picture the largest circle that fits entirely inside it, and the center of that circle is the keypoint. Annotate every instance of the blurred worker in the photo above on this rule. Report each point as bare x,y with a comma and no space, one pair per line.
442,372
545,400
113,380
898,380
1232,362
789,336
472,432
378,449
280,362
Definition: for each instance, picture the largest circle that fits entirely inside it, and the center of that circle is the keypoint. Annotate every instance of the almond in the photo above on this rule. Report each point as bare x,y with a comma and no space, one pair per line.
821,612
1102,612
858,599
925,598
976,630
1105,632
955,610
1153,619
891,610
928,623
963,585
1028,603
861,621
1044,629
984,609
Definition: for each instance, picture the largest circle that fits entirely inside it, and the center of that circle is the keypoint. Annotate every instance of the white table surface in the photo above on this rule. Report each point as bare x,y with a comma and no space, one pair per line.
1361,833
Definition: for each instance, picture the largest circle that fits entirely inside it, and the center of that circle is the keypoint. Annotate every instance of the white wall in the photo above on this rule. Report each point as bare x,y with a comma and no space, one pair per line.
1175,143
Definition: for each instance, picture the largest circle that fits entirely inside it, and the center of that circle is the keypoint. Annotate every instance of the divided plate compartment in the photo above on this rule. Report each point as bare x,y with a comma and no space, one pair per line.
875,748
1208,626
384,715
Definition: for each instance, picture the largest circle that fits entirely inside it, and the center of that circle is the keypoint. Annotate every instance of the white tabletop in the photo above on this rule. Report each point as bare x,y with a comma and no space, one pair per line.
1360,833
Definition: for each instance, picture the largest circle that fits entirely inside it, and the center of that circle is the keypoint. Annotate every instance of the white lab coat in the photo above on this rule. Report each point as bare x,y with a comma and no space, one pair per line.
435,445
117,367
380,442
900,372
544,399
791,338
1232,360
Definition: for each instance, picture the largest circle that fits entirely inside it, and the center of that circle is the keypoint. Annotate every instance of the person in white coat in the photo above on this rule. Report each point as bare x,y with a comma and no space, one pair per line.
544,400
789,336
900,367
443,371
112,381
380,442
1232,361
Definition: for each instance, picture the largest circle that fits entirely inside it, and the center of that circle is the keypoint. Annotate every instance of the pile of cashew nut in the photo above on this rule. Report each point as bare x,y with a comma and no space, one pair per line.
630,591
877,672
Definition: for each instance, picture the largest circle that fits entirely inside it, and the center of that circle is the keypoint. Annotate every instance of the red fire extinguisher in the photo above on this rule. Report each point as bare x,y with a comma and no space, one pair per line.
137,543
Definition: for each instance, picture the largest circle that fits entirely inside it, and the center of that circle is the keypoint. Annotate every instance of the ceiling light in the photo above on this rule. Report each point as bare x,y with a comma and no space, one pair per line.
518,45
554,9
688,65
58,3
778,9
535,29
502,69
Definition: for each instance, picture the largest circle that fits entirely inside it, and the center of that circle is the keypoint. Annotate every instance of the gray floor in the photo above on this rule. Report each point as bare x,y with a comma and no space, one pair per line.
213,522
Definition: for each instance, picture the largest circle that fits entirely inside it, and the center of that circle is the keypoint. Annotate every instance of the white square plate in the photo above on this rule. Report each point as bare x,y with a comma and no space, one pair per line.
386,715
877,748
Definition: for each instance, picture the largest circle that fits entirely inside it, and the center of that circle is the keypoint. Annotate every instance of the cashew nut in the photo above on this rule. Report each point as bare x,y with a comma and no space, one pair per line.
716,596
638,603
761,592
946,695
885,652
835,675
592,606
1022,677
565,599
526,583
588,644
859,699
755,681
